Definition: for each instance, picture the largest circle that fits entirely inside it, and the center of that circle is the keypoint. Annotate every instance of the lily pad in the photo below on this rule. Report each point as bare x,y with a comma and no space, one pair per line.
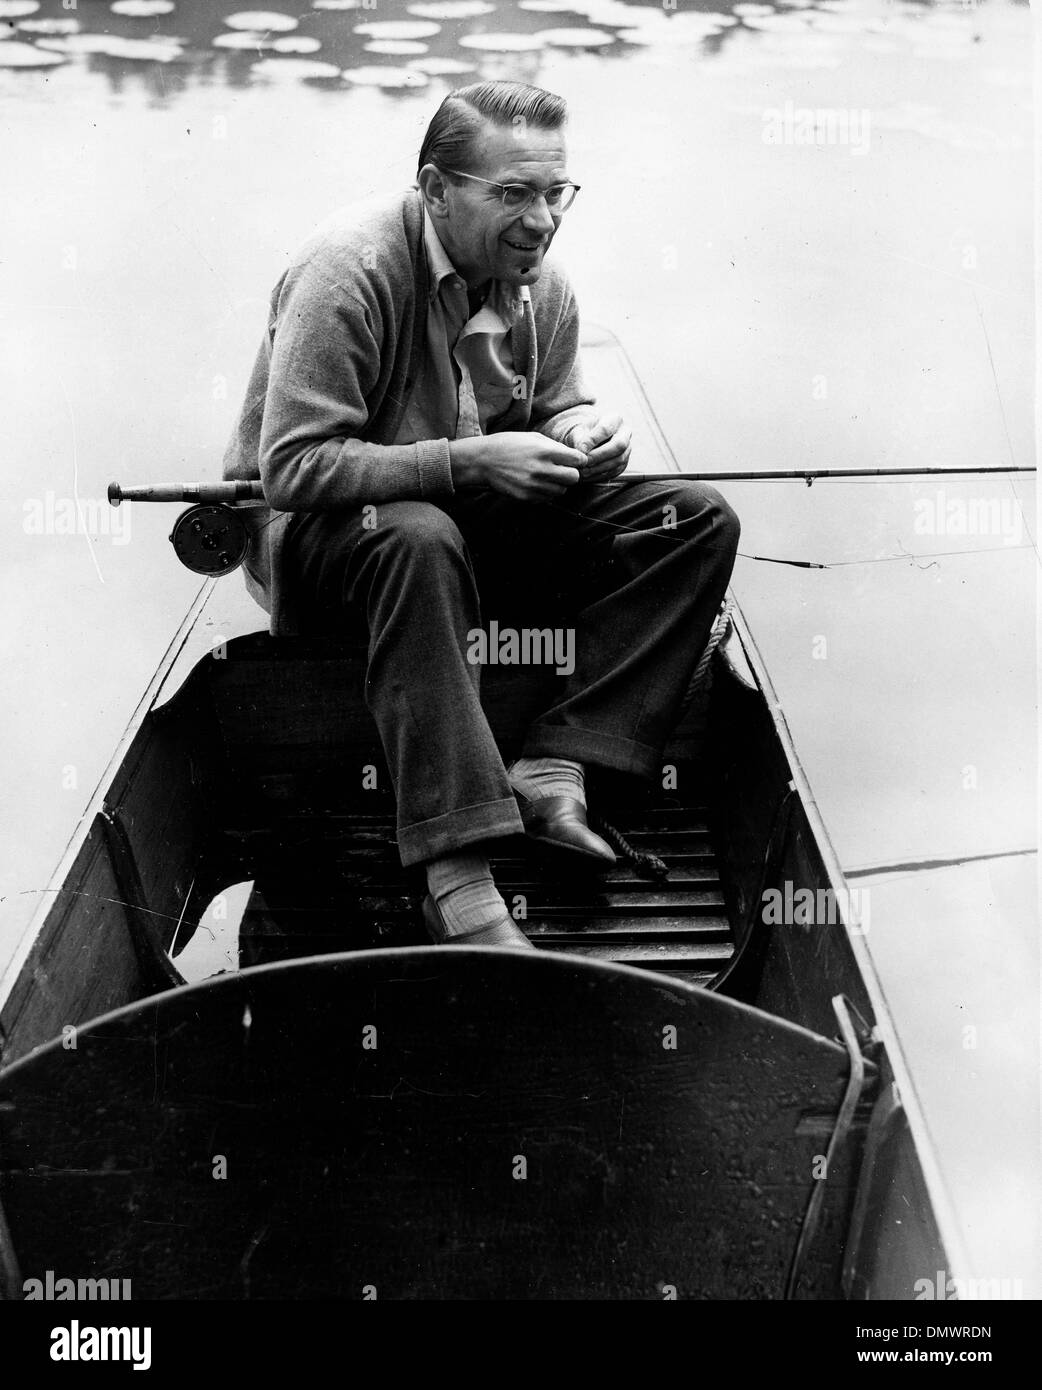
297,69
385,77
266,20
15,9
154,50
451,9
76,43
143,50
795,22
49,26
502,43
27,55
243,41
142,9
613,12
296,43
575,38
441,67
679,28
336,4
396,48
398,29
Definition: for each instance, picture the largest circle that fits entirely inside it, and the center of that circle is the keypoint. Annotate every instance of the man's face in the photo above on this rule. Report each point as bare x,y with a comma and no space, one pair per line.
482,239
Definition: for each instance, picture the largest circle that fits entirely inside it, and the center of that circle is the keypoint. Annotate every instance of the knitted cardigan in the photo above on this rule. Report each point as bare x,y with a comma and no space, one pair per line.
344,342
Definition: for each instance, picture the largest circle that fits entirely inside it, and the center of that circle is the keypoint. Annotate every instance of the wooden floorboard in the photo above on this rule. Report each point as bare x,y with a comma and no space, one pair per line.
330,880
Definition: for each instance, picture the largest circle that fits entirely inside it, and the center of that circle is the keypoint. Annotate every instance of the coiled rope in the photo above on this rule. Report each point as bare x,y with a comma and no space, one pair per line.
702,676
650,865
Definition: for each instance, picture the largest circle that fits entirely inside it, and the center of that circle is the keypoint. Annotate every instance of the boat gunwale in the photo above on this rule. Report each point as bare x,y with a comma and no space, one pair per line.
149,701
883,1024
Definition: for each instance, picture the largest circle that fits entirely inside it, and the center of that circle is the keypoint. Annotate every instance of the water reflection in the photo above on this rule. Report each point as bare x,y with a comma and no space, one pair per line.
196,42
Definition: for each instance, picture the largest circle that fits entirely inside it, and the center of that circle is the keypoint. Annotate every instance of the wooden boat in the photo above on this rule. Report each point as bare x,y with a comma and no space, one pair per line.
671,1099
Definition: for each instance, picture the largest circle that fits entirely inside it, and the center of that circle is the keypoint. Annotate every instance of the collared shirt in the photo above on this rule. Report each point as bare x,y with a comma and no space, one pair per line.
467,375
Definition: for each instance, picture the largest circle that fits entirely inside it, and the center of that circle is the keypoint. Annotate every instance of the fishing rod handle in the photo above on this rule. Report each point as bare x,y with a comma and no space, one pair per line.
242,491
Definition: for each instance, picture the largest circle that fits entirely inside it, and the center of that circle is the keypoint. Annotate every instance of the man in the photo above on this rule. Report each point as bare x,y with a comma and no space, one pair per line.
418,419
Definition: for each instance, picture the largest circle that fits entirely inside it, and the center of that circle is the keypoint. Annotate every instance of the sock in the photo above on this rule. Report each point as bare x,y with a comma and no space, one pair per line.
539,777
467,897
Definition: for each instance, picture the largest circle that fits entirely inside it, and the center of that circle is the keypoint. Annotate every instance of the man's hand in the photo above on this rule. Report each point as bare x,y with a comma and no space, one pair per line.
521,464
606,444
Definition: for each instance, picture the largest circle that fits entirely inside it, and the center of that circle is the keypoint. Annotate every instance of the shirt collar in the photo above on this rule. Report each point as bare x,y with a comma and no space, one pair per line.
438,262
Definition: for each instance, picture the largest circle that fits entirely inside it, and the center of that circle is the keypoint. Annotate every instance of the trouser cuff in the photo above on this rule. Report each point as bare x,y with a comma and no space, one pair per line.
593,748
427,839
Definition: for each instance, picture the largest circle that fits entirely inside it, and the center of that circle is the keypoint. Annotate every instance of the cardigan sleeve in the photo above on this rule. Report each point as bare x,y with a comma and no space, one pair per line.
561,399
326,341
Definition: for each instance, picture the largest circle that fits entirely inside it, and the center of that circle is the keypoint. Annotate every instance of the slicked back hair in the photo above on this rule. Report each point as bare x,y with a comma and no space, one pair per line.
460,119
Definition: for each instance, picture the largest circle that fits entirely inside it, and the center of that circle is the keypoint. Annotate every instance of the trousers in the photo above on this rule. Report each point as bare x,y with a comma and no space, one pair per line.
632,573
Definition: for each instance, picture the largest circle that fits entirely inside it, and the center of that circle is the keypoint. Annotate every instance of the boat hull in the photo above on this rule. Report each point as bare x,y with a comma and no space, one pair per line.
264,749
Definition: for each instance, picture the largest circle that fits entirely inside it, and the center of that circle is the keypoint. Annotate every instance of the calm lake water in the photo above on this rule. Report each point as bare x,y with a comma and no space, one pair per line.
859,300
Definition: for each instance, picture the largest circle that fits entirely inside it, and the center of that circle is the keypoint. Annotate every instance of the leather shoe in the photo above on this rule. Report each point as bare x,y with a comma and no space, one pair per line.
559,822
506,933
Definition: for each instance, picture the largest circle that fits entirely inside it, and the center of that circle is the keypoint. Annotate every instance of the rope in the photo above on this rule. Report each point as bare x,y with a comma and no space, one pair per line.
650,865
702,674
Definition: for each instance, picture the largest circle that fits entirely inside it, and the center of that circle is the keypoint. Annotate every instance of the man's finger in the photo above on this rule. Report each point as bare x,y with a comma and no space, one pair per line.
562,455
615,447
557,476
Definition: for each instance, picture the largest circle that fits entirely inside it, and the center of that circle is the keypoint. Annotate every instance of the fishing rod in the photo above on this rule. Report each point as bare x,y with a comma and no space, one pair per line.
212,537
811,475
253,490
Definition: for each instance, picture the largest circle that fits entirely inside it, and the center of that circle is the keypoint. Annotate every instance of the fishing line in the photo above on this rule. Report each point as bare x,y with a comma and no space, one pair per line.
797,564
177,929
994,377
927,555
1002,413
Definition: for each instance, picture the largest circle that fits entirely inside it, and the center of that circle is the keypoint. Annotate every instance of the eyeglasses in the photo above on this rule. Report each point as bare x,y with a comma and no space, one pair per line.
519,197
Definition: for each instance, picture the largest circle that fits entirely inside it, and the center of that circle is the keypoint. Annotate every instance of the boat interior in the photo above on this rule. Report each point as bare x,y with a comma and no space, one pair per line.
231,919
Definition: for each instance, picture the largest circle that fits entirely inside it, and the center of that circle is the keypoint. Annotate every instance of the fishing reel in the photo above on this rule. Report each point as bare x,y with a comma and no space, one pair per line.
211,537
